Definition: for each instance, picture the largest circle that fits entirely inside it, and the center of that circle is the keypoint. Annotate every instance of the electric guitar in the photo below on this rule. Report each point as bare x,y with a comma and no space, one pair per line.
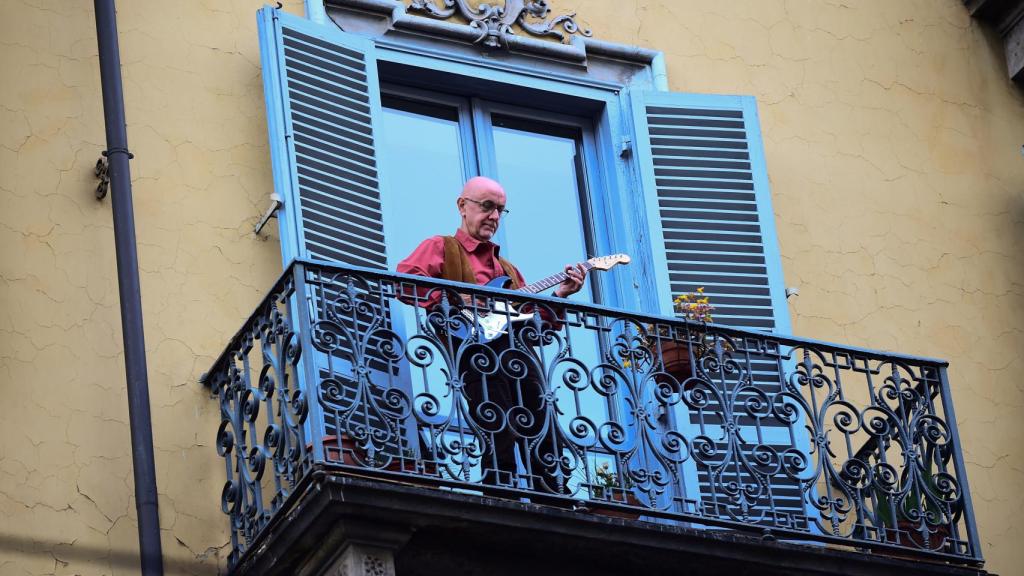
486,326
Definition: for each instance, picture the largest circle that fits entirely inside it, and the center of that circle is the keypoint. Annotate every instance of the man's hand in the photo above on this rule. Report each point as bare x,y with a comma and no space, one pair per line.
571,285
473,301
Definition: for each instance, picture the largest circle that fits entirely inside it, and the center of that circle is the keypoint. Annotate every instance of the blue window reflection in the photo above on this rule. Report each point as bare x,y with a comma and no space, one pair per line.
421,153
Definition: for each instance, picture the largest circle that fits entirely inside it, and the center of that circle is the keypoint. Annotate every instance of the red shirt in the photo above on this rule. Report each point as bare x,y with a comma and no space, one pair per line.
428,258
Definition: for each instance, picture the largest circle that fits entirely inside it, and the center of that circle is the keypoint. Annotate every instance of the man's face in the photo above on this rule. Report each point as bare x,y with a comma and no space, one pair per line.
478,223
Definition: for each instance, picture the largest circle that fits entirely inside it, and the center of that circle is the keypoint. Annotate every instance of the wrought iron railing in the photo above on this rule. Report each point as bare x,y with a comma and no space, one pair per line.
596,409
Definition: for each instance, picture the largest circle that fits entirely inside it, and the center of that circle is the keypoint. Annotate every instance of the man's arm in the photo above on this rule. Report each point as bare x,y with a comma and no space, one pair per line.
426,260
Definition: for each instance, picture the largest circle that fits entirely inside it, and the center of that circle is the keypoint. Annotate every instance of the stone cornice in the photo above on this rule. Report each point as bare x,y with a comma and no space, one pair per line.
1007,18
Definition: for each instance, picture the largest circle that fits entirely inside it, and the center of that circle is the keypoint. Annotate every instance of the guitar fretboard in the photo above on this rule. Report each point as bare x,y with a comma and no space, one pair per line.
553,280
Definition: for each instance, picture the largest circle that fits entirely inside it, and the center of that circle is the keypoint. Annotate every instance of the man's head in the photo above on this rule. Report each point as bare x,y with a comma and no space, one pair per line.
478,222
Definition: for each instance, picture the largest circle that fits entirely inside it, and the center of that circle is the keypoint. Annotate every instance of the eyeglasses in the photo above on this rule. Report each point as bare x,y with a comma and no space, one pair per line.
487,206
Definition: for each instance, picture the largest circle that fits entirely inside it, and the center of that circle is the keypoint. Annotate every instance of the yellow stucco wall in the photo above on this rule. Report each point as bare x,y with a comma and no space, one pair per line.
197,128
893,145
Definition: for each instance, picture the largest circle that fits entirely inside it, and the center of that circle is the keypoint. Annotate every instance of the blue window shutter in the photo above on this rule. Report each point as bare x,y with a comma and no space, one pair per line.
323,103
705,187
323,100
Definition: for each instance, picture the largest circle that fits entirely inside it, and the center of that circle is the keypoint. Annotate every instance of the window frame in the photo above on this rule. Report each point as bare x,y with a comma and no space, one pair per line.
600,77
475,118
611,132
469,157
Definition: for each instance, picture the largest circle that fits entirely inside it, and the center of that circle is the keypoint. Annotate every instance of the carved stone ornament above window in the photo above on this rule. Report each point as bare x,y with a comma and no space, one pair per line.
524,31
495,23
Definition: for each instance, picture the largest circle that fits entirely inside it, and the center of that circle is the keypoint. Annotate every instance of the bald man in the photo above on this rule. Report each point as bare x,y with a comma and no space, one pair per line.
481,207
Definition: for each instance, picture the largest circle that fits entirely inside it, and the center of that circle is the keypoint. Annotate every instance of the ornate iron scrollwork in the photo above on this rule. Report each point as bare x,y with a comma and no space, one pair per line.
263,413
637,415
495,23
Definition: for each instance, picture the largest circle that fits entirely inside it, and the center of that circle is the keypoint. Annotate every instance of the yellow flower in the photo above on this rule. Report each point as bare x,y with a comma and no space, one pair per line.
695,306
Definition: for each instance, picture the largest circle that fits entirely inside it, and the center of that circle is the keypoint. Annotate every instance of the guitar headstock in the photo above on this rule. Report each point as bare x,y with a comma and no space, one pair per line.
606,262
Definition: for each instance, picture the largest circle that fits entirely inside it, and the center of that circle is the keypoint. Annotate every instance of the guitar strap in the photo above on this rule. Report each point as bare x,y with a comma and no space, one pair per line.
457,267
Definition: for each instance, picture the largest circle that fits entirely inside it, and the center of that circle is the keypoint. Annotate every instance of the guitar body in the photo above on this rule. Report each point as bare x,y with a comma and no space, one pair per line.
499,282
485,327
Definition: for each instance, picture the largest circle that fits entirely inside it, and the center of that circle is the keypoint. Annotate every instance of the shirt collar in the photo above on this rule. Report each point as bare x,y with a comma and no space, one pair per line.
471,244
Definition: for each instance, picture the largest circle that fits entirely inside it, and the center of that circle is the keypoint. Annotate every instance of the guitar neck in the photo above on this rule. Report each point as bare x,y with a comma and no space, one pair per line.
553,280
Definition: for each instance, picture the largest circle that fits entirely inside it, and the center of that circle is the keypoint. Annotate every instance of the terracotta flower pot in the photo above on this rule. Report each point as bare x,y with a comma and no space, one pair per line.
341,450
676,358
346,451
631,500
909,535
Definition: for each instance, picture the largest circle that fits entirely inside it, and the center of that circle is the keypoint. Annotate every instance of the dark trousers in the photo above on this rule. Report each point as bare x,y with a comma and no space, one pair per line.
506,401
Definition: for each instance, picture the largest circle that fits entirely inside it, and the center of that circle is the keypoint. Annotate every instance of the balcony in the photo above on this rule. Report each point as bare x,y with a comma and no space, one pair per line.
354,412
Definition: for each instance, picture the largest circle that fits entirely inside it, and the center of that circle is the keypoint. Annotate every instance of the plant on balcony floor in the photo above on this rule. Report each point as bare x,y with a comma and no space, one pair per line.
895,518
344,449
677,356
608,487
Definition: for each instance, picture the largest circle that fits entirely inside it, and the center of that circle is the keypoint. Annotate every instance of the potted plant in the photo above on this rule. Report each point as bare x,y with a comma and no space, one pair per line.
341,449
893,516
677,356
344,449
607,487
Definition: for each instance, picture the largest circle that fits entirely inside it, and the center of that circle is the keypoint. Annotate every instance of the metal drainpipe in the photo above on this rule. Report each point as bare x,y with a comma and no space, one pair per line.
151,555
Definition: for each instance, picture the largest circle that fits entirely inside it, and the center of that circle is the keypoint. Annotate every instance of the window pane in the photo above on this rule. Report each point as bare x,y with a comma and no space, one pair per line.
545,230
421,159
538,167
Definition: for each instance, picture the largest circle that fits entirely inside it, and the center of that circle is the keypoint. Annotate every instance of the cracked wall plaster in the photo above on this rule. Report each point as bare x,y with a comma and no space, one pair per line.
893,148
892,140
201,175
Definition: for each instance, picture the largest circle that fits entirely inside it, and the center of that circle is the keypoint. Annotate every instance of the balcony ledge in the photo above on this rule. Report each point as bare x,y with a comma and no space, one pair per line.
436,531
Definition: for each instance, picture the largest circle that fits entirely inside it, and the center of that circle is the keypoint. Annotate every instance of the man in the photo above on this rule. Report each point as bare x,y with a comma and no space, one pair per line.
481,206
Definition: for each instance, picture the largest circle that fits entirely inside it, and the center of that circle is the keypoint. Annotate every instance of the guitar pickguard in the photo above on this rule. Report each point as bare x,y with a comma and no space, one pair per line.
487,326
492,325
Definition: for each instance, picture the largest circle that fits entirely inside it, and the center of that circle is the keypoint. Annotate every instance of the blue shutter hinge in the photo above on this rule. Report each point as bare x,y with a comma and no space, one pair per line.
275,205
626,148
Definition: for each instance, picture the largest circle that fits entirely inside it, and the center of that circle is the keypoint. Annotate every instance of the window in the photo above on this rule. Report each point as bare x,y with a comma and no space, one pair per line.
540,158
